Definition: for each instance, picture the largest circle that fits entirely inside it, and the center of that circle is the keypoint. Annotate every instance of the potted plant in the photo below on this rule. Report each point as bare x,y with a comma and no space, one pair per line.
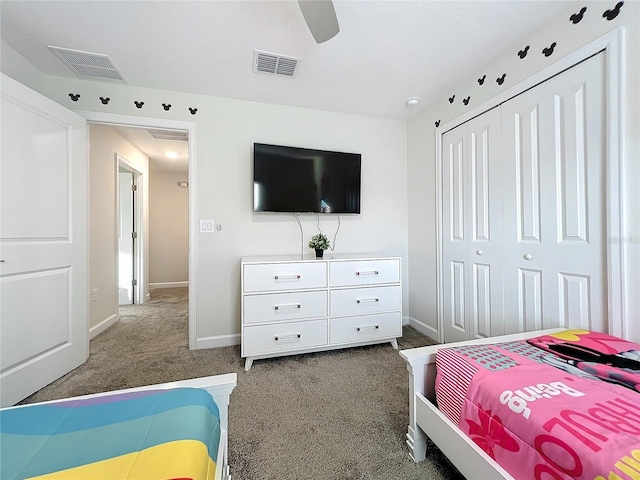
319,243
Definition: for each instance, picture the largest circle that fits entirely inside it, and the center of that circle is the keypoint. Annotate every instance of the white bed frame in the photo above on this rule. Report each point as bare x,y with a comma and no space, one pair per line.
218,386
425,420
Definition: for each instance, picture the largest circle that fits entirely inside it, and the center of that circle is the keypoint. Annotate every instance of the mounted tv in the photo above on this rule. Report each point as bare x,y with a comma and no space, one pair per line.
302,180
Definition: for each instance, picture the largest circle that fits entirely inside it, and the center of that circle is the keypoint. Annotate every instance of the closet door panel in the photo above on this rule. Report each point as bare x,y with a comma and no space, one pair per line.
455,216
522,227
578,262
485,236
553,169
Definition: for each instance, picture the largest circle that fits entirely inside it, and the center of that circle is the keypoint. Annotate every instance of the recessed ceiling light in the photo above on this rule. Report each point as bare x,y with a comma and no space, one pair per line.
171,154
413,101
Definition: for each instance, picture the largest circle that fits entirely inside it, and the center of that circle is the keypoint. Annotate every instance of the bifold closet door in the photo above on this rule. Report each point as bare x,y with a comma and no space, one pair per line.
554,203
472,229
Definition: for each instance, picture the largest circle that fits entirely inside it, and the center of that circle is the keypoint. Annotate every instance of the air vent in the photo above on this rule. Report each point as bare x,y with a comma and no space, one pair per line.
265,62
177,135
89,65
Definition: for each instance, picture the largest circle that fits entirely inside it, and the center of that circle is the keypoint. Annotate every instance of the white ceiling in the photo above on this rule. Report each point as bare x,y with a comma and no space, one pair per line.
386,51
156,149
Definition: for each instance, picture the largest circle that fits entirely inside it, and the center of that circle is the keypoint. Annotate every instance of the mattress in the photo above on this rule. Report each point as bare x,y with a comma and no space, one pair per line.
544,408
155,434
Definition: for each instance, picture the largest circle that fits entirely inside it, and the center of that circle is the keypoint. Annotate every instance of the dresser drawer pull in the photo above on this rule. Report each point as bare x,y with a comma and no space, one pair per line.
287,337
370,272
286,277
286,305
374,327
366,300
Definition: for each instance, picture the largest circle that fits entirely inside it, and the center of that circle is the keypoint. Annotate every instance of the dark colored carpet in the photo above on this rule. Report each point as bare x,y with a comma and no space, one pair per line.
332,415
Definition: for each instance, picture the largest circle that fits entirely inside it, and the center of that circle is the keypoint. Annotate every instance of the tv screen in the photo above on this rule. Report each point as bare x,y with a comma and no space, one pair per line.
291,179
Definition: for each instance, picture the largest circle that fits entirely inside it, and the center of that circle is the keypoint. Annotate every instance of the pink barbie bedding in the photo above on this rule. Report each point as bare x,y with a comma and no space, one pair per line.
558,406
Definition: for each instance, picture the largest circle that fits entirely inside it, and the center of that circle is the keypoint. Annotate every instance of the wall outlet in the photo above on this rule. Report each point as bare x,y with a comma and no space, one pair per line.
94,294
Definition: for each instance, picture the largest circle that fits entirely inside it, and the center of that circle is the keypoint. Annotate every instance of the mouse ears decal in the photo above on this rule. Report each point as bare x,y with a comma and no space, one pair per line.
104,100
523,53
611,14
549,50
577,17
74,96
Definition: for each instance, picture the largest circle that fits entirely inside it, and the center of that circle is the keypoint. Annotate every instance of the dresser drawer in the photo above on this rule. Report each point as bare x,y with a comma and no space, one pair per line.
364,272
265,339
366,327
359,301
271,277
273,307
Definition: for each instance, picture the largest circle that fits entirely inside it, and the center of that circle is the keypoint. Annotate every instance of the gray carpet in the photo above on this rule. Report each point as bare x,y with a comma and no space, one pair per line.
333,415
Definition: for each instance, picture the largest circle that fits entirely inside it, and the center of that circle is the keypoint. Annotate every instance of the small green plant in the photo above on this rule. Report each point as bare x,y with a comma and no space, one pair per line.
319,242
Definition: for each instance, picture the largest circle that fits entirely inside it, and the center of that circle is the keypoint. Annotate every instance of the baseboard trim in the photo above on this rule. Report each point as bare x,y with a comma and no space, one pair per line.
103,325
169,284
218,341
423,328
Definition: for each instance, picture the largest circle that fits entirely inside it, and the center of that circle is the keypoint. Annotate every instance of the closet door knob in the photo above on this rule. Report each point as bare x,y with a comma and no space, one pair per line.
479,252
527,256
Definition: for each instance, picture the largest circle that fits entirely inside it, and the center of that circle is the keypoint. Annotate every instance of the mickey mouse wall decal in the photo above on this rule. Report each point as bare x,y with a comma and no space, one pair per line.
74,96
166,106
193,110
104,100
481,80
611,14
549,50
523,53
500,80
452,98
138,104
577,17
437,123
466,100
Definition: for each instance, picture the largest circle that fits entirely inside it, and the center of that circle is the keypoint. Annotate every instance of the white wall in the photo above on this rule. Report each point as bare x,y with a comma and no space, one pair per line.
421,136
168,227
226,131
104,143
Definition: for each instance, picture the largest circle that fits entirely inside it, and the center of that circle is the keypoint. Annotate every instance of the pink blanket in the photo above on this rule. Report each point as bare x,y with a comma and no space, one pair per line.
542,422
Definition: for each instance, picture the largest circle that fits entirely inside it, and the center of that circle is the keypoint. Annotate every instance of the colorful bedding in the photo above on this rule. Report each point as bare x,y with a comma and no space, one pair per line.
156,434
555,407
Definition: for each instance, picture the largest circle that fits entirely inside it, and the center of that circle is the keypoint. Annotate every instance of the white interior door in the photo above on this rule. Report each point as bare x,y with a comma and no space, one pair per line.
126,260
43,241
485,225
472,229
554,255
455,244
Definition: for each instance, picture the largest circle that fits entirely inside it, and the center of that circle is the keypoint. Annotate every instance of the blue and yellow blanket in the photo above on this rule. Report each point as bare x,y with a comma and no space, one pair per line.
155,434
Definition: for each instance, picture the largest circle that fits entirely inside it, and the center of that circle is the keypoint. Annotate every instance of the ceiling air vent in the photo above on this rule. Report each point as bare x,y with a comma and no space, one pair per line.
89,65
265,62
177,135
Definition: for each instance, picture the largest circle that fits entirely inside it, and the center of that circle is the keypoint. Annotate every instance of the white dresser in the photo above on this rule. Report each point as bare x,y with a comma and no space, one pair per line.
292,305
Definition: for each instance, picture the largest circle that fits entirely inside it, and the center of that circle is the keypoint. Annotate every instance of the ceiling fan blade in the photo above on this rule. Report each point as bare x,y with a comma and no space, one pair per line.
321,18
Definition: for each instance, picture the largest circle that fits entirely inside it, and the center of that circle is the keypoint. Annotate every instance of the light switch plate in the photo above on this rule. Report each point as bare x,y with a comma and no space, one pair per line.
206,226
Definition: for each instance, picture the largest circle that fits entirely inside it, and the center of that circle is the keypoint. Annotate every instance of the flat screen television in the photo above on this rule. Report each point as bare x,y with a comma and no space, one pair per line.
302,180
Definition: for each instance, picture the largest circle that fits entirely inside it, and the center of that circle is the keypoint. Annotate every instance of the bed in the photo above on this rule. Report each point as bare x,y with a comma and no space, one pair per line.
175,430
576,417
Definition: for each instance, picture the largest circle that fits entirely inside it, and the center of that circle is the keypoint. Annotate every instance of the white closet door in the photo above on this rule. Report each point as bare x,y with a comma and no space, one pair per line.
472,229
485,225
554,255
455,245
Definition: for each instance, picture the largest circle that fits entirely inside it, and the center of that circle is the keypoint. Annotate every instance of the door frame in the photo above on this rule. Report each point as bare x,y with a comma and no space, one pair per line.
122,120
612,45
138,256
